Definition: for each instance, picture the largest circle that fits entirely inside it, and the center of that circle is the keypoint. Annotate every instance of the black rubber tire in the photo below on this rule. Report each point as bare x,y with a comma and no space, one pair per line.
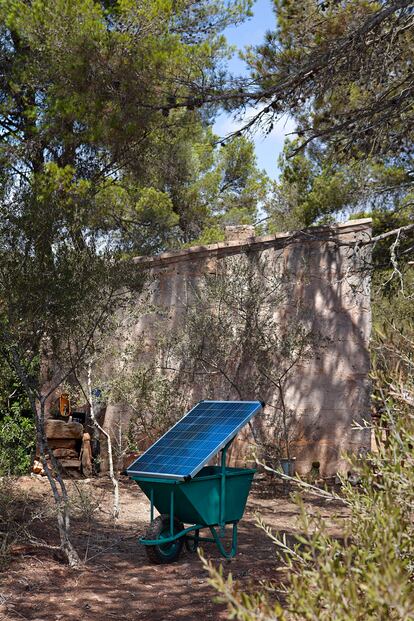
167,553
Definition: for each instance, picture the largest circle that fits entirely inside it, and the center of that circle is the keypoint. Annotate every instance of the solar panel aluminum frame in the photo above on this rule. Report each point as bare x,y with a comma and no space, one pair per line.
221,446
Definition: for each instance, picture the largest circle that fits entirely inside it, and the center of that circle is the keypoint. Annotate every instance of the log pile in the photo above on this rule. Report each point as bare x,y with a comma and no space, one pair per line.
64,439
69,444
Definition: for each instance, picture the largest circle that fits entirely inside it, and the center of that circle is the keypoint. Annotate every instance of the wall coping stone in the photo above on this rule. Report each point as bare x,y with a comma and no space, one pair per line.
311,234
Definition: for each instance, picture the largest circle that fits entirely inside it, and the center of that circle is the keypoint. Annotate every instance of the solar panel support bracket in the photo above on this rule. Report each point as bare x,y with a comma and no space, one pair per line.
223,487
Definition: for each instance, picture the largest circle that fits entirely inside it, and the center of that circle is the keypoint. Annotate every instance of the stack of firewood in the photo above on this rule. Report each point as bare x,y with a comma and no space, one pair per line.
70,445
65,439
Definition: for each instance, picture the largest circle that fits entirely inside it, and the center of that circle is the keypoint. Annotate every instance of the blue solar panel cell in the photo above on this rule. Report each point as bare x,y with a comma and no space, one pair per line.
195,439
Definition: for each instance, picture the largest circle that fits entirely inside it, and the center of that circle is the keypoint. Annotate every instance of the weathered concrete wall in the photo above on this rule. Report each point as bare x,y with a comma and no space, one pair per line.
325,273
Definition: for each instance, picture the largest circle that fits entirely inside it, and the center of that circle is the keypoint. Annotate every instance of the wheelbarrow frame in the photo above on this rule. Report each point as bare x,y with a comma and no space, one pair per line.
187,533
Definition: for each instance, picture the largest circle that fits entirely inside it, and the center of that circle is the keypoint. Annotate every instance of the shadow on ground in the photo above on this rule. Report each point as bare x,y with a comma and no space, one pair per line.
118,582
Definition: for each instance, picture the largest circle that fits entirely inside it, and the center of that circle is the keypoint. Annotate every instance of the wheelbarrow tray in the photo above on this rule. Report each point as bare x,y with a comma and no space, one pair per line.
197,501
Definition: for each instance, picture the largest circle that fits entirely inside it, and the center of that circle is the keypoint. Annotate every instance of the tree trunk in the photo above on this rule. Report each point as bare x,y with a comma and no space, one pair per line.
58,487
114,480
60,495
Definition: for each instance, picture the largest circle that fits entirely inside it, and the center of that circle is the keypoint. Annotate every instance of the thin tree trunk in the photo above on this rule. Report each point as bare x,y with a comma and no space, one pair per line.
114,480
284,420
58,487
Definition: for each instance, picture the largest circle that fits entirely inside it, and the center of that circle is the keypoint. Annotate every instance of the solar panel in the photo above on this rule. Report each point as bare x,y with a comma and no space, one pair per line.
195,439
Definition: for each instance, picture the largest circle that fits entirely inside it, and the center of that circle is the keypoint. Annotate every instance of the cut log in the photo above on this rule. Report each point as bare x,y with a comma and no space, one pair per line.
70,463
37,467
62,443
86,455
63,453
62,429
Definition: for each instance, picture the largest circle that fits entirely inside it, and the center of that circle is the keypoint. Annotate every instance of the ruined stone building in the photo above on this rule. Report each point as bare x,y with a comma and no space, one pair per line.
324,272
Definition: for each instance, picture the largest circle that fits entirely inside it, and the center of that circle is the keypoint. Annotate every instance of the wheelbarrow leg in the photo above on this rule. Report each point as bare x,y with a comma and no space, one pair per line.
192,541
152,505
223,492
172,512
219,544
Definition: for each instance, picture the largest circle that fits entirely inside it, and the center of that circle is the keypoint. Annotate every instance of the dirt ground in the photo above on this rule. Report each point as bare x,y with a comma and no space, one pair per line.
117,581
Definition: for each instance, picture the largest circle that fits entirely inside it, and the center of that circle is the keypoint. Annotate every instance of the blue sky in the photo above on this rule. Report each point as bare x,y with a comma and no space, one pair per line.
252,32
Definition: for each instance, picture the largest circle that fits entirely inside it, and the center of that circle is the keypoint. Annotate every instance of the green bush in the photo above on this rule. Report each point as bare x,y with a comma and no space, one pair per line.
17,441
17,428
366,576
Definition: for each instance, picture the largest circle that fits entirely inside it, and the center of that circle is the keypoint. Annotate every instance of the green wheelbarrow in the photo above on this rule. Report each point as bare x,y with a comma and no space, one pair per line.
214,498
189,495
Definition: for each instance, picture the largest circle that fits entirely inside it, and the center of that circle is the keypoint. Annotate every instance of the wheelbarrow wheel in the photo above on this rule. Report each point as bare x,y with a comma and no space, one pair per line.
160,529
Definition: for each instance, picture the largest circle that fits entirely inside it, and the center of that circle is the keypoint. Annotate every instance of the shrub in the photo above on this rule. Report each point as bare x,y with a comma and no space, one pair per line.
17,429
17,441
368,575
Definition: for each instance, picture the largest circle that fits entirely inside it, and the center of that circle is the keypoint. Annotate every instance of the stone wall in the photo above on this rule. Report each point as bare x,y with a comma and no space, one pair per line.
325,273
